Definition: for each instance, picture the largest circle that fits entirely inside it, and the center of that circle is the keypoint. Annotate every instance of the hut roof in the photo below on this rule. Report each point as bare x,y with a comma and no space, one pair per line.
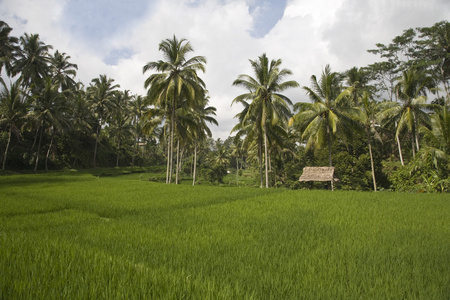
318,174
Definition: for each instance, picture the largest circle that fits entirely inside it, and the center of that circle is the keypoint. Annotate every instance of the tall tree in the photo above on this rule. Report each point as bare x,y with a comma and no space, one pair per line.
199,130
359,80
50,113
101,93
267,105
62,70
369,109
138,109
438,135
13,110
329,114
435,46
32,62
175,80
8,47
120,124
411,90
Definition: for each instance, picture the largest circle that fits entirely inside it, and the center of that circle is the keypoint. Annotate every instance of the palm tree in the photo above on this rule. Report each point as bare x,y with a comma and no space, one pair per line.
439,134
267,106
329,114
8,47
248,129
237,152
81,113
49,112
62,70
101,94
82,122
12,112
411,90
369,108
120,118
32,62
358,79
138,109
176,80
199,130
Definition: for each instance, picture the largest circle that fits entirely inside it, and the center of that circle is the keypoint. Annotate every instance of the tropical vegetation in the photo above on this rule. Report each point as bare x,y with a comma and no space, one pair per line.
382,126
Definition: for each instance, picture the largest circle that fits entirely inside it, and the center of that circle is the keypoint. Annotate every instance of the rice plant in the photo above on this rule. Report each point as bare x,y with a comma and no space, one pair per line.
77,236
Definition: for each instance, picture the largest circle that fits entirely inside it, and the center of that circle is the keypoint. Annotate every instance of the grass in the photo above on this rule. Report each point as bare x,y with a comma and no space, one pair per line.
74,235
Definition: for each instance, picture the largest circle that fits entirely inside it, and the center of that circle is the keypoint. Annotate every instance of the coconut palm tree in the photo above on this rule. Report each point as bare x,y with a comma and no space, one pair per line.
329,114
138,109
267,105
439,134
8,48
82,123
237,152
50,113
175,81
13,110
369,108
358,79
32,62
411,90
120,118
62,70
247,128
101,93
199,130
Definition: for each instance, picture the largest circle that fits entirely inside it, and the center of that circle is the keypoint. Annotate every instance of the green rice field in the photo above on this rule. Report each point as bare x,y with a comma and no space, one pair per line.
79,236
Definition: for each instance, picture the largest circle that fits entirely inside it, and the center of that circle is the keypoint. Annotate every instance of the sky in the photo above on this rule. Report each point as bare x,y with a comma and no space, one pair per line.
118,37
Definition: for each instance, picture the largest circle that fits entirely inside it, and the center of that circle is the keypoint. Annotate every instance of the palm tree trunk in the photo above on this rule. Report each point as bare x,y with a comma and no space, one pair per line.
180,165
178,161
35,138
172,129
195,163
399,147
266,160
95,148
136,140
416,136
413,146
118,151
400,150
38,150
168,160
330,162
48,152
371,163
7,147
260,164
237,170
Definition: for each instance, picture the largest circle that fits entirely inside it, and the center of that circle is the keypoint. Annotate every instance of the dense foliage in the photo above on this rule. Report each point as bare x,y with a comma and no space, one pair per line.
383,126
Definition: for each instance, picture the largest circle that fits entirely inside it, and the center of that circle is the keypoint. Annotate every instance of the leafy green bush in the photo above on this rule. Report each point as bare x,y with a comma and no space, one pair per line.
420,175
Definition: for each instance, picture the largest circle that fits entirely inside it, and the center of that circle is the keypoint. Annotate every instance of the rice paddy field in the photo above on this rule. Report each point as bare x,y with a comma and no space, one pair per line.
79,236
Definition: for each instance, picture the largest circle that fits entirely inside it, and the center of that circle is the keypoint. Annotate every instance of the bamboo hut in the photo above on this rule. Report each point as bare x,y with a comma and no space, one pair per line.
319,174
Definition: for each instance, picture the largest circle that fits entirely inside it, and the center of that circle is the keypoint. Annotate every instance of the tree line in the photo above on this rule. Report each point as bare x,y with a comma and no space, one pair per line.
383,126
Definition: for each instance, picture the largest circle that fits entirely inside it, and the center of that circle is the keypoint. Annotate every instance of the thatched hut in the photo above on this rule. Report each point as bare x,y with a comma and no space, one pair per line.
319,174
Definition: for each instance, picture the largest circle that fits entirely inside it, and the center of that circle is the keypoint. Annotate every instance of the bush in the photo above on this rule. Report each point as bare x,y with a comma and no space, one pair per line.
420,175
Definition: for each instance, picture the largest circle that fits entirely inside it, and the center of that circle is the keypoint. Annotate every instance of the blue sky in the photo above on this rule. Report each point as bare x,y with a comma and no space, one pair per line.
118,37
